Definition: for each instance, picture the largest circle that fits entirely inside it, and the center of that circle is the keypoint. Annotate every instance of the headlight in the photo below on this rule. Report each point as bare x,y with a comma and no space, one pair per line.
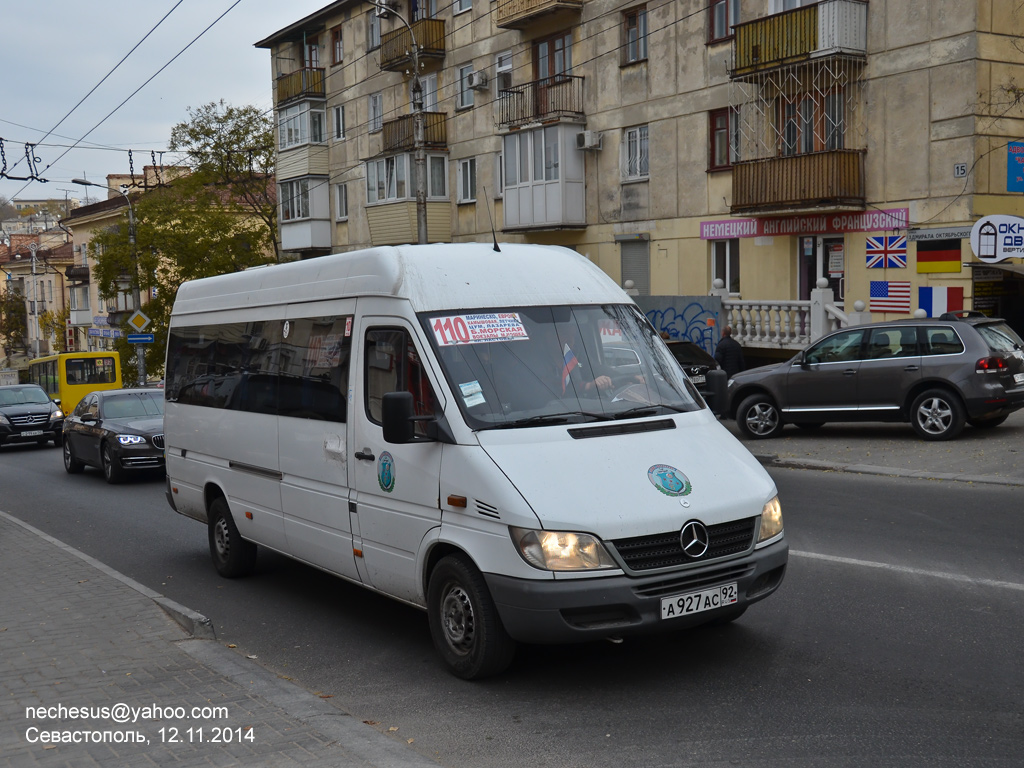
130,439
3,420
58,414
561,550
771,520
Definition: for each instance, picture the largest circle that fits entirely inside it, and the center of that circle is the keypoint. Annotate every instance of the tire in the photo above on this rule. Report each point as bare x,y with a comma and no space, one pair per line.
232,555
71,465
937,415
111,468
758,418
464,621
986,423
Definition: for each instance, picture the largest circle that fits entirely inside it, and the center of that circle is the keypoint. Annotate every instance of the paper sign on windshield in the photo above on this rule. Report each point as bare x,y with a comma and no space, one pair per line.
482,328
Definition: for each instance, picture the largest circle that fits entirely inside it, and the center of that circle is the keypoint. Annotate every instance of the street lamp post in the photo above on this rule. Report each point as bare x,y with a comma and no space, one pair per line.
140,351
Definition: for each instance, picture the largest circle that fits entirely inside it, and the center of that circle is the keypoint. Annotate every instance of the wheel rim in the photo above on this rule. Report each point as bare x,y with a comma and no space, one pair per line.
108,461
762,418
222,538
934,416
67,454
457,620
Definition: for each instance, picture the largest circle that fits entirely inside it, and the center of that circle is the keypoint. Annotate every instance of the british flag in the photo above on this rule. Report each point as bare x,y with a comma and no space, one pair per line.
887,251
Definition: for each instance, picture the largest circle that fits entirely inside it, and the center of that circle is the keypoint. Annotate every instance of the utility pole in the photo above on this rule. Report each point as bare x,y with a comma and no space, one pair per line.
418,128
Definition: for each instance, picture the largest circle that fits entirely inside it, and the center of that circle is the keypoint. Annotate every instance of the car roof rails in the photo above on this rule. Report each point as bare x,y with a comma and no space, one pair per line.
961,314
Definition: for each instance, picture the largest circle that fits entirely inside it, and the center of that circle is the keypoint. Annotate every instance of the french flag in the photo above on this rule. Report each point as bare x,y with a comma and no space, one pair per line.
570,363
935,301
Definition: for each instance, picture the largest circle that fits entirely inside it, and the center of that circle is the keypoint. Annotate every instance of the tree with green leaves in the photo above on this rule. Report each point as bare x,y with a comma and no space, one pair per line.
13,321
54,323
219,217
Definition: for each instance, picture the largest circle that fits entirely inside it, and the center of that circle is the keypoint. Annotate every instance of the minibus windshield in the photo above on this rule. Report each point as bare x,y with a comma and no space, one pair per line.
535,366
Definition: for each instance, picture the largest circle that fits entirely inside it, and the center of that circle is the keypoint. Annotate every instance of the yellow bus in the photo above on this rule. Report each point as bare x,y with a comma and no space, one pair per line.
69,376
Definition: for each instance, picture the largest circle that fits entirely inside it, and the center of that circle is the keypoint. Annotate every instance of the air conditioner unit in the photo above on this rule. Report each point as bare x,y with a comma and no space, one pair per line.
588,140
383,8
477,81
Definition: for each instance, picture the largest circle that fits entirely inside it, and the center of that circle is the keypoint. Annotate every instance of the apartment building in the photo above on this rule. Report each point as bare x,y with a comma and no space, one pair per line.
772,145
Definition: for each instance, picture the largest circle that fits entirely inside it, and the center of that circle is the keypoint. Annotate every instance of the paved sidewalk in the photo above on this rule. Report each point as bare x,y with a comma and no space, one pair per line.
76,634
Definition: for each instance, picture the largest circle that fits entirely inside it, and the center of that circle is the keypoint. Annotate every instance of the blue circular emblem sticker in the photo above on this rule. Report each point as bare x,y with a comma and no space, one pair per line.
669,480
386,472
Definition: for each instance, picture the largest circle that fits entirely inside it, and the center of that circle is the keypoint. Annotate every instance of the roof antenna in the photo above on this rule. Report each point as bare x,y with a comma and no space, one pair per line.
487,199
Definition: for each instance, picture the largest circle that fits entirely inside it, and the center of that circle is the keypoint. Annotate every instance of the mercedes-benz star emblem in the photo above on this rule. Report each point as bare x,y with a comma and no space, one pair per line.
694,539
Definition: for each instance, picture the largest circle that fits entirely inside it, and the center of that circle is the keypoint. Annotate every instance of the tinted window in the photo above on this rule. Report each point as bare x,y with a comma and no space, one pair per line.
892,342
1000,338
394,365
838,348
89,370
133,406
22,395
296,367
942,341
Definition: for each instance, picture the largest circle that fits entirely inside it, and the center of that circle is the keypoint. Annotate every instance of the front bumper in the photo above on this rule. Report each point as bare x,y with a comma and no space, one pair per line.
139,457
18,433
565,611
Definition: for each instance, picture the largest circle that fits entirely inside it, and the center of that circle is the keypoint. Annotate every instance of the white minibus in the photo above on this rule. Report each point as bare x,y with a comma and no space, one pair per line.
498,437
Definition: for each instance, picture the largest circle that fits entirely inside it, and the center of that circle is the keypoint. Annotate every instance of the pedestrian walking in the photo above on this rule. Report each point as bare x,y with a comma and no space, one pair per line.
729,353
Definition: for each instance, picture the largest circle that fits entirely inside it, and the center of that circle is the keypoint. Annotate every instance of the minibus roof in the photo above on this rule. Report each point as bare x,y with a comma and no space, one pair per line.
432,277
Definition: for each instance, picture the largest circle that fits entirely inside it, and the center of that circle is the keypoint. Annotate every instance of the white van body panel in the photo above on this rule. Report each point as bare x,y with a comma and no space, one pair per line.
601,485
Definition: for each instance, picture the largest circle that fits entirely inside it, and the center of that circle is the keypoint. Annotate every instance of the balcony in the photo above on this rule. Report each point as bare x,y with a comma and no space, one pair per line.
398,135
819,179
396,45
307,82
547,100
517,14
79,272
831,27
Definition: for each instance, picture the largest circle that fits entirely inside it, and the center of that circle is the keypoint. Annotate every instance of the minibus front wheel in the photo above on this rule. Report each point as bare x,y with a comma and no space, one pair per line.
464,621
232,555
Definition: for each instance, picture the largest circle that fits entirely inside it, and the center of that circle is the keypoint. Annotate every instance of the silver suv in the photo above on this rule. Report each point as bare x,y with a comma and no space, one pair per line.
936,374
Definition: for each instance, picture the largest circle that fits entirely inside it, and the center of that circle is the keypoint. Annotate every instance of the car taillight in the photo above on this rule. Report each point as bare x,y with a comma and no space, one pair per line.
991,365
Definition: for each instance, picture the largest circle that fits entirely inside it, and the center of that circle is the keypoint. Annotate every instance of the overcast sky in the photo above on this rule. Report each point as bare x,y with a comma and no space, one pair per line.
55,51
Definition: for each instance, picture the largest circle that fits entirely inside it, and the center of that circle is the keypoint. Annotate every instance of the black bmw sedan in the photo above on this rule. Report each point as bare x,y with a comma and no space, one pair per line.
117,431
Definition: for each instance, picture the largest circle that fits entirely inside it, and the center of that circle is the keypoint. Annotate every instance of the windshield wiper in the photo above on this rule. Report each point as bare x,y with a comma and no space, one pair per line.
645,410
549,418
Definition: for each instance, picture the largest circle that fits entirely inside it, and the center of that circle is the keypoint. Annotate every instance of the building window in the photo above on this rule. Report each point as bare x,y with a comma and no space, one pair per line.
311,53
811,123
499,175
294,199
725,263
636,35
337,46
835,121
553,57
424,9
341,202
300,124
634,154
428,83
465,95
339,123
467,180
373,30
503,71
376,121
635,264
724,14
462,5
724,133
388,179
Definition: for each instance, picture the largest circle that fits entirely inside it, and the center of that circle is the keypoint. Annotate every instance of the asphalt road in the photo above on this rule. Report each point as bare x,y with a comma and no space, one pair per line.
893,641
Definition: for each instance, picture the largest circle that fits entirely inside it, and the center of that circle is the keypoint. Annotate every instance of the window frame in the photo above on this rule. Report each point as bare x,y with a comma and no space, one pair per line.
285,198
731,263
461,6
634,49
341,202
466,177
402,164
373,30
464,96
643,159
375,112
338,115
732,138
548,50
730,19
301,118
337,45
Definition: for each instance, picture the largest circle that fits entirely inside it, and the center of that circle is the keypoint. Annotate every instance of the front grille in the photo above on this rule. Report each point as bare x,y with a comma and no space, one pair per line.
691,581
663,550
29,419
158,441
141,462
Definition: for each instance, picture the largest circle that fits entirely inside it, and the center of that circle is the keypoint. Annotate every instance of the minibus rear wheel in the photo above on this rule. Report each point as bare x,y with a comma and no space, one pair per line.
464,621
232,555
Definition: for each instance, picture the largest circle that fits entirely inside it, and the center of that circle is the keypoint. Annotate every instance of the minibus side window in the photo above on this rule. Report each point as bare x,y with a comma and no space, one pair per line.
393,364
314,373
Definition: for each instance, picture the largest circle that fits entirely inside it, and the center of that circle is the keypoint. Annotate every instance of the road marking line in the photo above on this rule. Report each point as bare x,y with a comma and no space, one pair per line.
913,571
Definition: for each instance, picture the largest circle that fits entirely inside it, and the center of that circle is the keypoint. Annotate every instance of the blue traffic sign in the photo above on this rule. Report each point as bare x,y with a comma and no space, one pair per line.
140,338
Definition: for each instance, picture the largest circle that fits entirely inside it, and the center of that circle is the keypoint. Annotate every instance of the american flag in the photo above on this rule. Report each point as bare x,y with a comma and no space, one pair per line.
890,296
887,251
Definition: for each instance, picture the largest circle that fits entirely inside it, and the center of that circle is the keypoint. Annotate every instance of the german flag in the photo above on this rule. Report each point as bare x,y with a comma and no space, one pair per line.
938,256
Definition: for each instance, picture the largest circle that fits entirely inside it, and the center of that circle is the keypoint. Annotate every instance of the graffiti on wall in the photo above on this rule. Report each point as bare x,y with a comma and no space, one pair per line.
693,318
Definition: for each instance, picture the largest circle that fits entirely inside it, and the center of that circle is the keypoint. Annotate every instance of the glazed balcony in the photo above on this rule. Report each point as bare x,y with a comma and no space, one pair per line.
398,135
541,101
307,82
820,179
396,45
831,27
517,14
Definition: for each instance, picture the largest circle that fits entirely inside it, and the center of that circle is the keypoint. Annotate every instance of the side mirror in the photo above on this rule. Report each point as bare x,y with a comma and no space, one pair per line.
802,360
88,417
397,413
717,387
